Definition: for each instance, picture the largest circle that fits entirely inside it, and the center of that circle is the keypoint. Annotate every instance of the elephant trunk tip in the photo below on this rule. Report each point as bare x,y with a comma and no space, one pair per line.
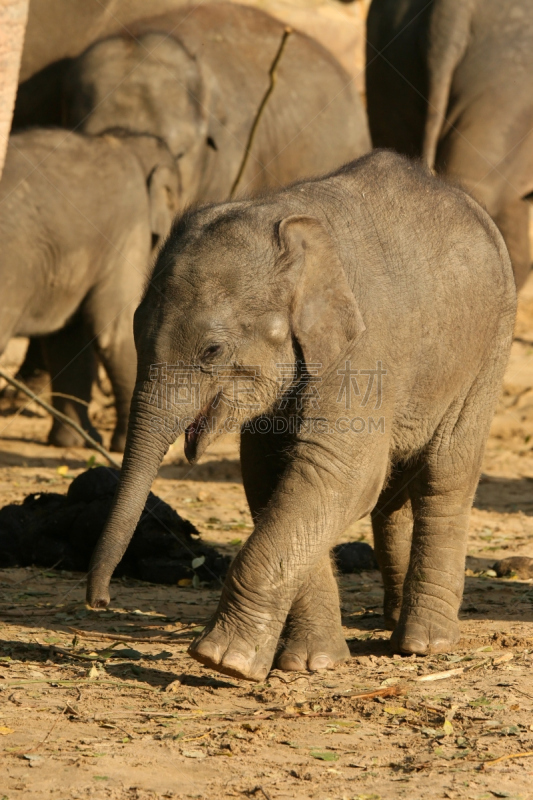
97,595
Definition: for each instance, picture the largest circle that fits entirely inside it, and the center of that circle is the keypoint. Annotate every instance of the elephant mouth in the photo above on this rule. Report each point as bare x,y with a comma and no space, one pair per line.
205,427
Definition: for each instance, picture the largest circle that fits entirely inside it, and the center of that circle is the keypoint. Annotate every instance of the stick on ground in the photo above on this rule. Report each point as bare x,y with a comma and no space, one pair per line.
60,416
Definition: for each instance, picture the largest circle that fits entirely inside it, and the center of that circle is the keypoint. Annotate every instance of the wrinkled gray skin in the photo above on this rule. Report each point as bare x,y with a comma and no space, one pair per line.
450,81
197,78
380,262
77,219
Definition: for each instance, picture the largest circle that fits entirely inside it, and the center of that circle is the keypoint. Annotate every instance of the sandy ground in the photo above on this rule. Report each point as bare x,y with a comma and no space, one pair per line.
109,705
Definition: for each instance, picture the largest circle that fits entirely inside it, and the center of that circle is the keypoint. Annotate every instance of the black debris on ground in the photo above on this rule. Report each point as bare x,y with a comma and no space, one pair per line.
54,530
353,557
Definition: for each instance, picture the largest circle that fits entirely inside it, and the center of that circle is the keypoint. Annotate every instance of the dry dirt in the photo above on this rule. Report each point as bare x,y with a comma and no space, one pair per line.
109,705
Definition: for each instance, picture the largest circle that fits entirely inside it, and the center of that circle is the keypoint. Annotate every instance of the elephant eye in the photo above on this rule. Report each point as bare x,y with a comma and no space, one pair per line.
210,351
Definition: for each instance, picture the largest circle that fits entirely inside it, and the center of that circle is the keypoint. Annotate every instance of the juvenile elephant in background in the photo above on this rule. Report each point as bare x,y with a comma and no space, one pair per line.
78,217
242,102
381,340
450,81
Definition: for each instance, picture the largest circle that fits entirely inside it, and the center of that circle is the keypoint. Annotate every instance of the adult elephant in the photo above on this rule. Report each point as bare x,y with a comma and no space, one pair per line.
450,81
13,17
242,102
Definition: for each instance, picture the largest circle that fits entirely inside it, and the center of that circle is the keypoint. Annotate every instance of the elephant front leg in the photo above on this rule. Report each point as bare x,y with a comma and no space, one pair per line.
313,638
242,637
392,524
313,503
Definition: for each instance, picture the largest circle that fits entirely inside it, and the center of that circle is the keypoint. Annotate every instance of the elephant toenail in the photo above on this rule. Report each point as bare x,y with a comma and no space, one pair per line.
320,662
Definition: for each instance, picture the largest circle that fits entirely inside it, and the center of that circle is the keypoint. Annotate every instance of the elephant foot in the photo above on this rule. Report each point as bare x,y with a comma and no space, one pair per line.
64,436
306,651
391,619
391,613
424,636
118,442
312,638
232,652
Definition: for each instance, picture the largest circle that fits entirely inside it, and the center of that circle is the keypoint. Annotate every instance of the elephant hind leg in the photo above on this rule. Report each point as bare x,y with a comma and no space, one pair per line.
392,524
70,360
513,222
442,493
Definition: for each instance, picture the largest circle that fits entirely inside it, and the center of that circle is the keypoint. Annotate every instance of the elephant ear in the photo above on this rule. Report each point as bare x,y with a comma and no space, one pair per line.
163,193
324,313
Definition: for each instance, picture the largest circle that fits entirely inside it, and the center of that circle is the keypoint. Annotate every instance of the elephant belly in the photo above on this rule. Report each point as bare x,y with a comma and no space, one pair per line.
48,311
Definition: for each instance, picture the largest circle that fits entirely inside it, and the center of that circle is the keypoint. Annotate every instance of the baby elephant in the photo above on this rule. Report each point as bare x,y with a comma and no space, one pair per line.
78,217
356,328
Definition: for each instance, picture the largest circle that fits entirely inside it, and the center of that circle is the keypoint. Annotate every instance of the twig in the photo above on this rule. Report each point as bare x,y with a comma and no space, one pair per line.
527,754
273,77
388,691
259,789
86,682
40,744
32,575
529,696
21,612
452,673
440,676
125,638
60,416
70,397
128,734
196,738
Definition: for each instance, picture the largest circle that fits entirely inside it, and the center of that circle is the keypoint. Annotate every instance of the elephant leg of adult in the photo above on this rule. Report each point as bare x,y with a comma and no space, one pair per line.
392,523
513,222
71,363
312,637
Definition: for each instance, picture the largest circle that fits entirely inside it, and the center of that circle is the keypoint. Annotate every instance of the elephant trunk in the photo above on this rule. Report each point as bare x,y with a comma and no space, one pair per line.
147,443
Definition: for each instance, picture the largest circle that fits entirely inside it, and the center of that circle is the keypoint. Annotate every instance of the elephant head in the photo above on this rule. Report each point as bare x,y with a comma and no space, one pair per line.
162,176
237,291
148,84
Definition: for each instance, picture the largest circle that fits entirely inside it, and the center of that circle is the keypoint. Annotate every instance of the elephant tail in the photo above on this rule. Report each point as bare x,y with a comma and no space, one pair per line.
448,38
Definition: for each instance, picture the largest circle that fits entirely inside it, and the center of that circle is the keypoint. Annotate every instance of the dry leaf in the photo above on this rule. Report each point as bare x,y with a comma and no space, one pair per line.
447,727
193,753
6,731
324,755
175,686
